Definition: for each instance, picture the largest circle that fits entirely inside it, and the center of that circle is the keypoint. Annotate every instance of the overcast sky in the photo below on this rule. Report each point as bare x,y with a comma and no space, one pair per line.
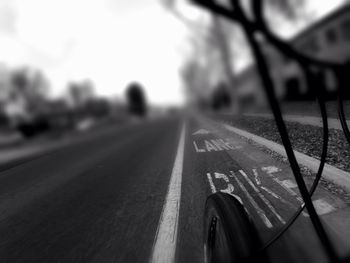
112,42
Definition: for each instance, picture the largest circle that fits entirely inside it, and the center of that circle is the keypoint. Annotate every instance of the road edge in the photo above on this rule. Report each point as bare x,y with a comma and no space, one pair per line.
164,246
333,174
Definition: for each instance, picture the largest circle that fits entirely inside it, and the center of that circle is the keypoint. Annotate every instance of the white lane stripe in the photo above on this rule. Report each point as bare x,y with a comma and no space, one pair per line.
289,184
276,196
230,188
290,191
267,202
322,207
222,176
256,177
165,241
280,198
212,186
270,170
255,205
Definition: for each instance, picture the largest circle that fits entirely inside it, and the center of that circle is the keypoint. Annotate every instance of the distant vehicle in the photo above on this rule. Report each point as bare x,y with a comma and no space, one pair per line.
34,126
136,100
85,124
31,124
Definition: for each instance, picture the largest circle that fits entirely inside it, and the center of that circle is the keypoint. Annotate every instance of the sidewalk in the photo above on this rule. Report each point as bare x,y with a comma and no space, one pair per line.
23,150
305,120
8,139
331,173
307,143
26,150
258,165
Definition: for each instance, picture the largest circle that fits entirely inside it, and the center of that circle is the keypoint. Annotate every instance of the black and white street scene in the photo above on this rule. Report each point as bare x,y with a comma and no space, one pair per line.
171,131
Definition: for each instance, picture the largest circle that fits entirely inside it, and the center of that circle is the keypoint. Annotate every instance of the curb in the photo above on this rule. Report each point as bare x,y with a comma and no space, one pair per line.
333,123
331,173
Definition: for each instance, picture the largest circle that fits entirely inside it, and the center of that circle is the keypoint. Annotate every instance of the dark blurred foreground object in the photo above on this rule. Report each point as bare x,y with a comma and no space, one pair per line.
34,127
229,234
136,100
258,33
221,97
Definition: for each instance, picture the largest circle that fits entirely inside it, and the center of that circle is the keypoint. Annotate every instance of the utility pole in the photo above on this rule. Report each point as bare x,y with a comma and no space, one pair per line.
224,49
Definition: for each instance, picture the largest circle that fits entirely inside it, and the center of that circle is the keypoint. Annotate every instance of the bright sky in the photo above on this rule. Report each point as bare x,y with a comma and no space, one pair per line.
112,42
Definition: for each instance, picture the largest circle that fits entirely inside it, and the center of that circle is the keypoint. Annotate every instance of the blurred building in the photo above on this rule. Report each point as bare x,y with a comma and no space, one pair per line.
18,94
327,39
4,82
24,97
81,93
197,82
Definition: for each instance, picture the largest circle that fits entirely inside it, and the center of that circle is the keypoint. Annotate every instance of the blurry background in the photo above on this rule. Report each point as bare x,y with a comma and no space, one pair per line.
66,64
92,96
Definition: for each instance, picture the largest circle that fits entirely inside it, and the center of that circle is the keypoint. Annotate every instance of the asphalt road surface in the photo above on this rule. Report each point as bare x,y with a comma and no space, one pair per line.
136,194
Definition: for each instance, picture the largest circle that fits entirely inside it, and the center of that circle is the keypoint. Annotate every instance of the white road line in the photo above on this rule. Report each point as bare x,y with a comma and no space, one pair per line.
280,198
290,191
255,205
322,207
276,195
267,202
201,131
198,150
165,241
331,173
289,184
229,190
222,176
270,169
256,177
212,186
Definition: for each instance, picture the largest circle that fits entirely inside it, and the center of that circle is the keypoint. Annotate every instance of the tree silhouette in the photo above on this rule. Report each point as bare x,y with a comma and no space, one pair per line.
136,99
221,97
221,44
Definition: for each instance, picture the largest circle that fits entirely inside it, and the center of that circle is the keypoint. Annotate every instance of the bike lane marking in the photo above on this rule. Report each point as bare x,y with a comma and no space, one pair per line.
260,212
267,202
221,162
214,145
206,142
219,144
231,190
212,186
321,205
285,184
164,247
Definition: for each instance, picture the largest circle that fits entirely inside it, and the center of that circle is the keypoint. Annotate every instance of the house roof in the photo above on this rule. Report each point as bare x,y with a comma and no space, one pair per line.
343,9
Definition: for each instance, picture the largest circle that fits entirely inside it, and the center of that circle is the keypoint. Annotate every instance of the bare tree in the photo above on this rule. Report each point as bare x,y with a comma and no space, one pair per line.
31,86
195,77
223,45
220,39
136,99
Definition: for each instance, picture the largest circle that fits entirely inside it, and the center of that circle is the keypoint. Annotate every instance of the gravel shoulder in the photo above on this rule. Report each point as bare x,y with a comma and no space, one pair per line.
306,139
305,108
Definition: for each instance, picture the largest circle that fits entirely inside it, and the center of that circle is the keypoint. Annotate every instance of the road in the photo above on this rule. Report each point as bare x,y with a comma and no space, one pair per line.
136,193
